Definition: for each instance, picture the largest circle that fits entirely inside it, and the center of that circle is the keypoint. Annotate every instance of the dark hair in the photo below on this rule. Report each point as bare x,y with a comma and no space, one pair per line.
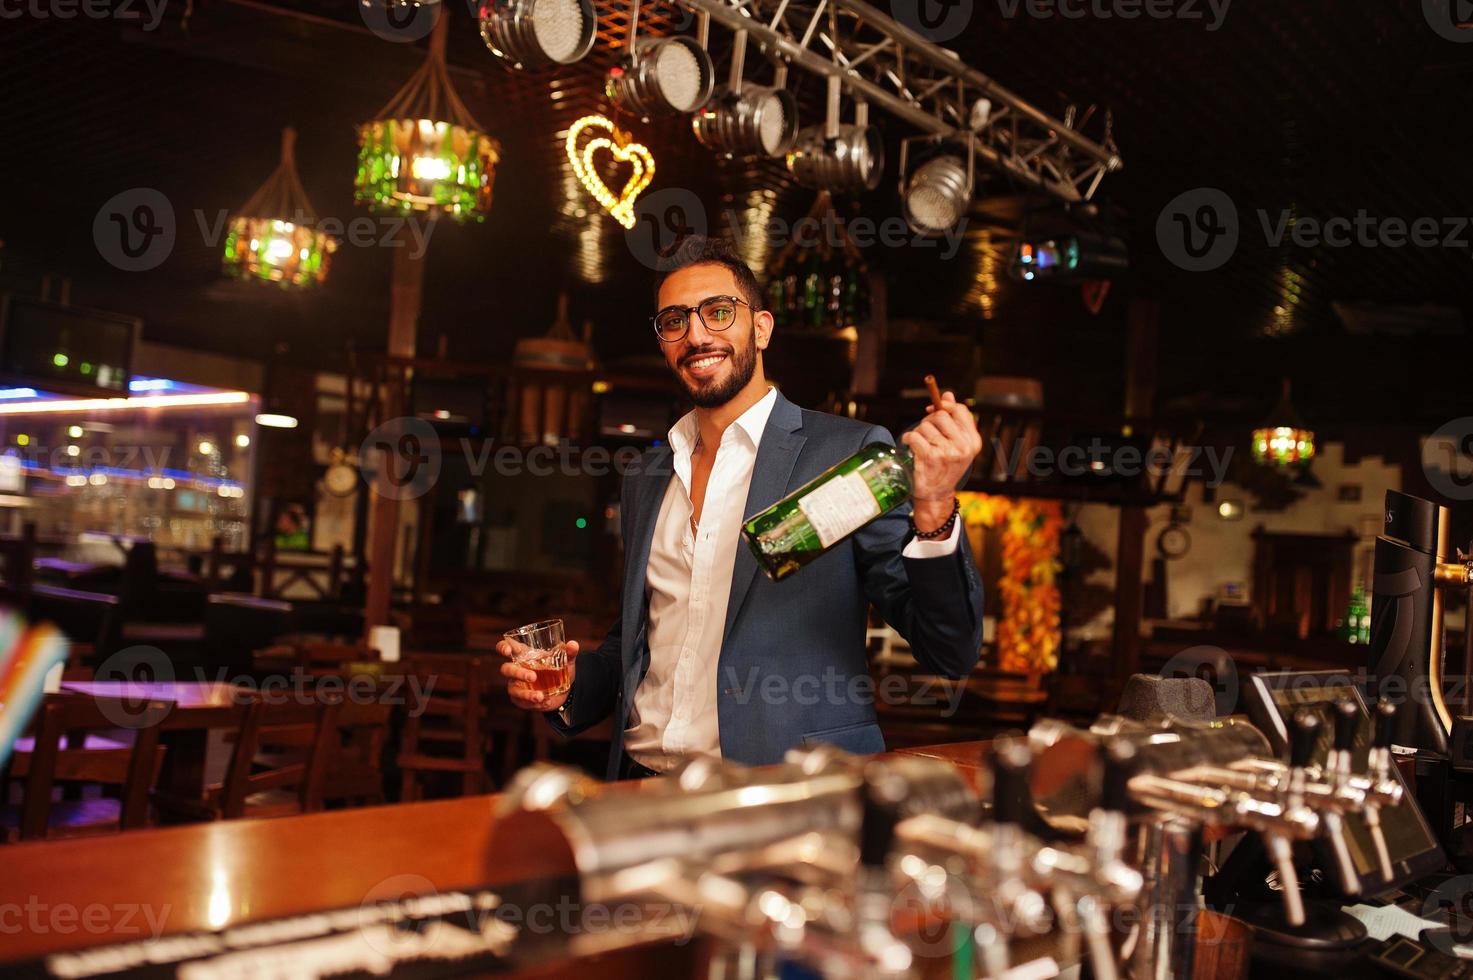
700,250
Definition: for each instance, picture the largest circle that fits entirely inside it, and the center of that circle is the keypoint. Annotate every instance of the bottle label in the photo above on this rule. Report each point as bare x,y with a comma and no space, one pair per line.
841,505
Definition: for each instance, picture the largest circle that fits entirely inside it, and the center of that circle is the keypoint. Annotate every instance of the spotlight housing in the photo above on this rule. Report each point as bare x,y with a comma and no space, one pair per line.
753,121
853,160
662,75
937,194
538,33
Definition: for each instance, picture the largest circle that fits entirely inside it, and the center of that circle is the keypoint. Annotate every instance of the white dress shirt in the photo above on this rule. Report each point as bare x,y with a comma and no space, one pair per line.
688,584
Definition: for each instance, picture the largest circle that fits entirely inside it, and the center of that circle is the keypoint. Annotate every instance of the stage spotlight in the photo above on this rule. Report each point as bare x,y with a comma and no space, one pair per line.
937,195
851,161
754,121
538,33
662,75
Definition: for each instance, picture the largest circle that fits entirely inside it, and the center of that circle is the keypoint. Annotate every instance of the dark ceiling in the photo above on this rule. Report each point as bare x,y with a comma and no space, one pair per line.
1313,108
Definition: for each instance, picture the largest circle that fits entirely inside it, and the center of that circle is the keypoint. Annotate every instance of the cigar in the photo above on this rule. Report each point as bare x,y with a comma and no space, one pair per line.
935,391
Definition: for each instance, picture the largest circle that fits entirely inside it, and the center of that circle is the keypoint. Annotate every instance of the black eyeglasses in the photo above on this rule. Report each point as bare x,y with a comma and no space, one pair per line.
716,313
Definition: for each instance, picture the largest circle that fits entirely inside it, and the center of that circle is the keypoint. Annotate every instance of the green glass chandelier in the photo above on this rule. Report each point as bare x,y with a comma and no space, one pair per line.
272,238
424,151
1283,439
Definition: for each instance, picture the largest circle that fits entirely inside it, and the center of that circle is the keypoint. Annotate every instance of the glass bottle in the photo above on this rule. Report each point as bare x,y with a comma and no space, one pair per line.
829,508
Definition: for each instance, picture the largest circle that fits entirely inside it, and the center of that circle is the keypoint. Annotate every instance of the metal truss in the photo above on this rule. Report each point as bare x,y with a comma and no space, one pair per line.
882,62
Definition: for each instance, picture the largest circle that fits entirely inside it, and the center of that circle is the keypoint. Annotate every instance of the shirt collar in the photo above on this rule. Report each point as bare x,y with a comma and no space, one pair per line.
753,421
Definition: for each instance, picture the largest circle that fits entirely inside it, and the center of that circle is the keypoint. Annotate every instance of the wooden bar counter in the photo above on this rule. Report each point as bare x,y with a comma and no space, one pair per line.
66,895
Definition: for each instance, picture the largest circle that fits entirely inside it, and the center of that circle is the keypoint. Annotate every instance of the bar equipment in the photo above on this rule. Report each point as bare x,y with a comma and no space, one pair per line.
1412,577
1019,886
1220,774
841,865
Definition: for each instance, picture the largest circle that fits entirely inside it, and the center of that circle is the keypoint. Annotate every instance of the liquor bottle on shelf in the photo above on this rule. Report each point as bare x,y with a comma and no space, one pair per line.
813,290
790,296
834,288
830,507
1358,618
775,301
853,292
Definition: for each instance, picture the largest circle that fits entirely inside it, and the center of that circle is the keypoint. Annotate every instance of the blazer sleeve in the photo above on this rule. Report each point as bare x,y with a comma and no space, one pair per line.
935,603
595,685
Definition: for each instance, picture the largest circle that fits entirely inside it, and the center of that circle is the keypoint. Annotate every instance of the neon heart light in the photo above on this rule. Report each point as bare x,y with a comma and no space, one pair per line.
604,135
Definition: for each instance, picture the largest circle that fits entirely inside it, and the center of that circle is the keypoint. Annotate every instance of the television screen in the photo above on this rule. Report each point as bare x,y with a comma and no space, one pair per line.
66,349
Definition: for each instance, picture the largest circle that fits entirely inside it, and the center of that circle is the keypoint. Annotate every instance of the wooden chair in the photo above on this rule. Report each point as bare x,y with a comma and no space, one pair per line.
312,657
355,774
446,733
507,730
319,657
75,742
270,784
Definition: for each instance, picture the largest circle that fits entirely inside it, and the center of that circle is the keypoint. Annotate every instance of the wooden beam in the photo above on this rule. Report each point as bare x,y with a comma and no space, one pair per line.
1130,543
405,289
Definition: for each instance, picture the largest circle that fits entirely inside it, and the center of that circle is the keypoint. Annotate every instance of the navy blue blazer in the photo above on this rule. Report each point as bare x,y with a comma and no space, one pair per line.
792,668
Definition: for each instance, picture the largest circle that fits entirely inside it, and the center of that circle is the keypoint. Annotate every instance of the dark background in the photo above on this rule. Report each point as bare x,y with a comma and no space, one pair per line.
1320,107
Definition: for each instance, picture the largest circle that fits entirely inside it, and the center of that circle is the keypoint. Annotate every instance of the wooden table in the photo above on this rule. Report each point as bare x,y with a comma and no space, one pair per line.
199,706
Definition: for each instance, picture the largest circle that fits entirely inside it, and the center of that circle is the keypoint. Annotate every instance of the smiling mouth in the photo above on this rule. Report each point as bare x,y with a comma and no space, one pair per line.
703,364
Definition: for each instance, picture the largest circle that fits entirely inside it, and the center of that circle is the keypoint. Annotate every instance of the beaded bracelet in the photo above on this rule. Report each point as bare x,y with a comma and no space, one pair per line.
944,531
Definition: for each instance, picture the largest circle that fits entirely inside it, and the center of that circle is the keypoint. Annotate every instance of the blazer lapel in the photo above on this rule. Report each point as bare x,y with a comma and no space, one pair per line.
653,482
782,440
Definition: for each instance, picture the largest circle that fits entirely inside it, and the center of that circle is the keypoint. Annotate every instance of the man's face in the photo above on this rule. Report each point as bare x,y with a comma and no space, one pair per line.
713,365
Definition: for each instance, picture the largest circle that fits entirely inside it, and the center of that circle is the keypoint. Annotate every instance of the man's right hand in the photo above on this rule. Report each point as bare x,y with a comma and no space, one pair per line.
520,677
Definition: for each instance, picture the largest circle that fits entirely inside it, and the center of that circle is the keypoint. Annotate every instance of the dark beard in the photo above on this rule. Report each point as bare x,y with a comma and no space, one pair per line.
743,366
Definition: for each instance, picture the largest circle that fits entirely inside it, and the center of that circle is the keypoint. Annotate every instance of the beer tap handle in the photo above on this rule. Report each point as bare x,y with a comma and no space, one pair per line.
1304,732
879,815
1346,716
1379,769
1384,727
1010,761
1119,765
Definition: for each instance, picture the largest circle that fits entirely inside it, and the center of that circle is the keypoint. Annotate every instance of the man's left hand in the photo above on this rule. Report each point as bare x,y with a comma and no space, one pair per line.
944,444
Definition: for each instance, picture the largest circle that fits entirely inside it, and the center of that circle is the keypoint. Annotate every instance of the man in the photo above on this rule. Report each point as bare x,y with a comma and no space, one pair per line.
709,656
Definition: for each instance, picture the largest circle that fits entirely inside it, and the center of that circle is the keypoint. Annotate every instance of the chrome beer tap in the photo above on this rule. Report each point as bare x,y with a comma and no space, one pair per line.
1086,881
1385,789
1336,789
1013,879
1341,796
1367,793
1273,802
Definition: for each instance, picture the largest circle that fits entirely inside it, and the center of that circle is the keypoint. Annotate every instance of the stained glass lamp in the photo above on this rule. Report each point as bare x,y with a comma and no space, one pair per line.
424,151
272,238
1283,439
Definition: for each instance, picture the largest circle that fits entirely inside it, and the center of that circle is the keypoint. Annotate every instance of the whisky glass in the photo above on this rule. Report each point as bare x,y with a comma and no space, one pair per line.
541,648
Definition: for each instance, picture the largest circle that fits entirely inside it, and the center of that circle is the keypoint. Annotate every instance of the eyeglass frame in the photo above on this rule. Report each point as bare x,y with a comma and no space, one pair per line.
688,310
